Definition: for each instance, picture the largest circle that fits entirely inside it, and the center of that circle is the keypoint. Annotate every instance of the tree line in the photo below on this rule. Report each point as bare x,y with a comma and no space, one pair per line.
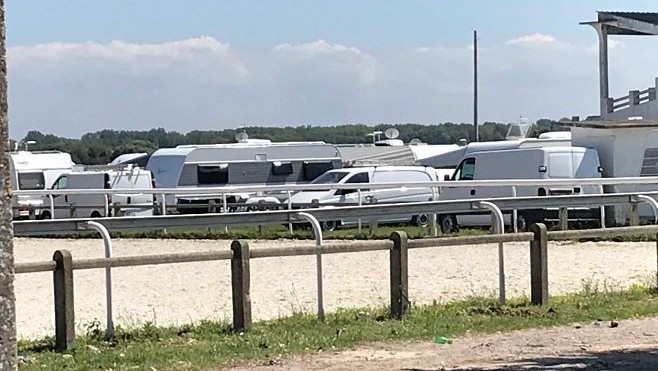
102,146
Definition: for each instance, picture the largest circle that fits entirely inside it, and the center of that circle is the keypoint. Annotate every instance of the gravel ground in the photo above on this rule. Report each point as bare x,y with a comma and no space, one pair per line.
632,346
182,293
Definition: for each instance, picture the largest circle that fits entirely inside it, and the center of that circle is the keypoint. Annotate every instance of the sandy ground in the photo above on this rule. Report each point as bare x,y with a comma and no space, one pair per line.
632,346
182,293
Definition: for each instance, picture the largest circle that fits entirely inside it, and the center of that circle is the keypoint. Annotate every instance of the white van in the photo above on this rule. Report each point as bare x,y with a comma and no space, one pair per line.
33,171
367,175
521,163
94,205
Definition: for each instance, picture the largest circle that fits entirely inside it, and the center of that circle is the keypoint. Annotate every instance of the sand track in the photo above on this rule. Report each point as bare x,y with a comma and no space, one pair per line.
182,293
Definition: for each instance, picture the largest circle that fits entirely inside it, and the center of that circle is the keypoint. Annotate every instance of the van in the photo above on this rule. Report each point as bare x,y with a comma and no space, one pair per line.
94,205
34,171
563,162
365,176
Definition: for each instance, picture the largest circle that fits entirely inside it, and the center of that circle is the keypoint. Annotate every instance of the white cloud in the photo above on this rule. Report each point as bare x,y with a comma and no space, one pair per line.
202,83
536,38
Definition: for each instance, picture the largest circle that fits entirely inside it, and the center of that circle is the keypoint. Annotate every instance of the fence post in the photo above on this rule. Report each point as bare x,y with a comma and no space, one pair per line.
563,215
539,265
240,286
634,215
64,310
399,275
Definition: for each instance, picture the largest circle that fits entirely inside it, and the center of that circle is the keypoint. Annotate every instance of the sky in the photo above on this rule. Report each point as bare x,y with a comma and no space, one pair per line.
76,66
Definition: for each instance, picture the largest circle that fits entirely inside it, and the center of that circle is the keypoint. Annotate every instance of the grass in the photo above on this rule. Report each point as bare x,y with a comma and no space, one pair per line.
213,344
271,232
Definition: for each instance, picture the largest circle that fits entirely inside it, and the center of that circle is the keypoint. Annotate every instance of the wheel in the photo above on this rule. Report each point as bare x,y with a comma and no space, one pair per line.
330,225
95,214
45,215
522,222
448,223
422,220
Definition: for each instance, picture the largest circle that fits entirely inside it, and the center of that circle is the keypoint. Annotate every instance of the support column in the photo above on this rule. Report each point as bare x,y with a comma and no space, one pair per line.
604,91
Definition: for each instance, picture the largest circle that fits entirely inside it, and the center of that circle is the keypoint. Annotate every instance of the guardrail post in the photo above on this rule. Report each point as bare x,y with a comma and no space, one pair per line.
634,215
399,275
64,304
373,219
240,283
539,265
563,215
212,207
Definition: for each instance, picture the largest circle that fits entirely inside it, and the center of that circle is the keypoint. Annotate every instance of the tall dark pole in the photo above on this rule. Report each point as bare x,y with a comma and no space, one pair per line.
475,84
7,299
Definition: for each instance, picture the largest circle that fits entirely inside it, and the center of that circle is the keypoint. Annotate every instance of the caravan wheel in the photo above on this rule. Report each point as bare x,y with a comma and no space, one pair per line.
330,225
422,220
448,223
45,215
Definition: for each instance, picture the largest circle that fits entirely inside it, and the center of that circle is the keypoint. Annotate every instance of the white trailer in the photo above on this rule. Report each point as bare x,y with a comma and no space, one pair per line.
31,171
564,162
250,163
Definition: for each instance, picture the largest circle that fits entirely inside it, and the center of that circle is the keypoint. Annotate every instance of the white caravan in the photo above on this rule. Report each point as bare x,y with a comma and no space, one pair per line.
251,163
96,205
521,163
32,171
367,175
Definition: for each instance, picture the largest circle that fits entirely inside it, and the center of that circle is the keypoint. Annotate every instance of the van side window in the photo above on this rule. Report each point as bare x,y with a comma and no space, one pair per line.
465,170
215,174
61,182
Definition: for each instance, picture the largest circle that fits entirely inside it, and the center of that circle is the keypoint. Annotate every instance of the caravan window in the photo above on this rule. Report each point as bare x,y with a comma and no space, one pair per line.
31,181
313,170
281,168
465,170
216,174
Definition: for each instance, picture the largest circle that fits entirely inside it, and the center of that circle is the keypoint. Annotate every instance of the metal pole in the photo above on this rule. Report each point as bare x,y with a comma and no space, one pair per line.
360,224
225,207
653,203
107,241
499,226
52,206
107,205
289,208
317,230
515,214
475,85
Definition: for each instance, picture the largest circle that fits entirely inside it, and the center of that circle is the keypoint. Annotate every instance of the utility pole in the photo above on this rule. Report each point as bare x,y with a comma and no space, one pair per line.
475,85
7,299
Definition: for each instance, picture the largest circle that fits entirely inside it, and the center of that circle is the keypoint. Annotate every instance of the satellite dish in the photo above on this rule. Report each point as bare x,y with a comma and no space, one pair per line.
415,142
391,133
241,136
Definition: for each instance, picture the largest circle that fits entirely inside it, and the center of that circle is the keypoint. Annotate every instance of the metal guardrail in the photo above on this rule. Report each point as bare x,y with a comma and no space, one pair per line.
63,226
240,255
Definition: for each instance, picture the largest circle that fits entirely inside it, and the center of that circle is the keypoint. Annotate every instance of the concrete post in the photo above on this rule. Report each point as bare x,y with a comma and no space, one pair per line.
634,214
64,303
606,106
399,275
240,282
539,265
633,97
7,299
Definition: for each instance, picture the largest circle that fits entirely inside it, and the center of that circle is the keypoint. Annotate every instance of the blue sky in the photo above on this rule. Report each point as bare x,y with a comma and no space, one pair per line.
116,64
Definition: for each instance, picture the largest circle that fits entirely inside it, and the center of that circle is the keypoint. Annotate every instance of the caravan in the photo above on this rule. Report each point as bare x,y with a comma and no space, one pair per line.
561,162
246,164
33,171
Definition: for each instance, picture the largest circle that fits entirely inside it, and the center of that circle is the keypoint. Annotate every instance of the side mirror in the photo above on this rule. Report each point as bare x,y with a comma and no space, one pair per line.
446,177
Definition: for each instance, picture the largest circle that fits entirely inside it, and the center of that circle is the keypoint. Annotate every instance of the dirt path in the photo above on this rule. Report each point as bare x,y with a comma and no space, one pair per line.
632,346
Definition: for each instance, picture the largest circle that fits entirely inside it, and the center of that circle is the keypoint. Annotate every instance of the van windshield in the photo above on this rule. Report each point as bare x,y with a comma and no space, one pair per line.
331,177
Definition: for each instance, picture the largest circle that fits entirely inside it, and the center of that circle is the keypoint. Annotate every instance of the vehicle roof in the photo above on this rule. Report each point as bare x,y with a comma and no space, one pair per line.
383,168
247,152
542,149
40,160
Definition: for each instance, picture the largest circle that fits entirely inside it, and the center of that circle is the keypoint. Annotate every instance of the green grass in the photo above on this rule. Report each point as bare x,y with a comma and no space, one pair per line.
271,232
213,344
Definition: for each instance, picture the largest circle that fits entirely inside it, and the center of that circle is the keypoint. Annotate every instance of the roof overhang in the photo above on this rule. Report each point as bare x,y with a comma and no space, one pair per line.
627,124
627,23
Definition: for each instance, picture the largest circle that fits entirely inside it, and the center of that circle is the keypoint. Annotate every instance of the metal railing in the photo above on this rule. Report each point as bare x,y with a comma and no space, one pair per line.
634,98
240,256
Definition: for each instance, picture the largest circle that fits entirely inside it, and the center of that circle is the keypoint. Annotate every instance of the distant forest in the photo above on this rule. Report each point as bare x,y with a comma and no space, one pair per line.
103,146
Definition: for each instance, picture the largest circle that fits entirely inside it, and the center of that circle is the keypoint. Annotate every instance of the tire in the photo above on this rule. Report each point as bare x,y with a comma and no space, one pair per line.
421,220
330,225
95,214
522,222
45,215
448,223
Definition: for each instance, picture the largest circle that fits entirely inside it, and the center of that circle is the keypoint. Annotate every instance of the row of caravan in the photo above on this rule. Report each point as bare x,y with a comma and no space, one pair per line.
297,163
